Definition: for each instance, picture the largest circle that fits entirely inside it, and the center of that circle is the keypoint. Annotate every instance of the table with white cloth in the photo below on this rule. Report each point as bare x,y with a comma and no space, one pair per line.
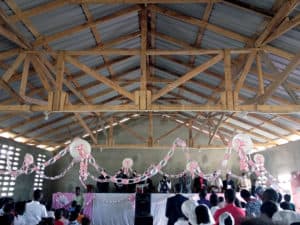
118,209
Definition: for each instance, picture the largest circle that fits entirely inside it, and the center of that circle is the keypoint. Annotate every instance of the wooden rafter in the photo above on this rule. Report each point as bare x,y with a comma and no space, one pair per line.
188,76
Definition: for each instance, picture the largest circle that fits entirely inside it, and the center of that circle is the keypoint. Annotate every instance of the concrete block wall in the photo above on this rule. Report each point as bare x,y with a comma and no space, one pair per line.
24,183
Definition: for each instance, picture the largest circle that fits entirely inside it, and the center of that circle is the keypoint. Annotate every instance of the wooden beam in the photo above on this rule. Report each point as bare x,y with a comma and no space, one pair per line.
11,36
156,147
143,62
134,133
96,35
86,128
14,7
60,68
283,28
245,72
280,109
37,10
227,71
260,75
76,29
205,17
150,130
214,28
24,77
216,129
168,133
281,78
8,73
100,77
5,86
41,73
282,13
188,76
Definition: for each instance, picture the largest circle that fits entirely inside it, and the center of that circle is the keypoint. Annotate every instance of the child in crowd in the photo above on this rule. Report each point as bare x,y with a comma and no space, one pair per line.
58,217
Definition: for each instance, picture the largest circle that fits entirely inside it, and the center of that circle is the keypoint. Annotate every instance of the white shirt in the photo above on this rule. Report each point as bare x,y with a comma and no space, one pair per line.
19,220
34,212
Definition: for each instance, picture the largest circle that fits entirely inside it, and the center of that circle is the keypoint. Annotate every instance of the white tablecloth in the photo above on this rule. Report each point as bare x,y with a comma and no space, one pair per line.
116,209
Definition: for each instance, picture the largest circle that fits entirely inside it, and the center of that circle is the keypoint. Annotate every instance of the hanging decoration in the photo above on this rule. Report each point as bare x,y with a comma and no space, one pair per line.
80,151
127,164
243,145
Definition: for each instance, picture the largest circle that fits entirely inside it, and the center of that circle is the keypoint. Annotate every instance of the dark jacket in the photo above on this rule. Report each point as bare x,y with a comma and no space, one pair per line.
173,208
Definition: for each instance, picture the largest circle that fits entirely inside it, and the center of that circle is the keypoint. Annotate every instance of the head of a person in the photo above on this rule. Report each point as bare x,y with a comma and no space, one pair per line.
73,204
177,188
221,201
6,220
257,221
203,193
245,194
58,214
47,221
287,197
202,214
8,207
259,191
73,216
285,205
37,195
164,177
243,174
226,219
268,209
270,195
229,196
227,176
213,199
85,221
65,213
19,208
77,190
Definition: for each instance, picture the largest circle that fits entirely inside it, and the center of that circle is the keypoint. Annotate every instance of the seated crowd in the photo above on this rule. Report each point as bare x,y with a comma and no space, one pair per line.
261,207
265,207
36,213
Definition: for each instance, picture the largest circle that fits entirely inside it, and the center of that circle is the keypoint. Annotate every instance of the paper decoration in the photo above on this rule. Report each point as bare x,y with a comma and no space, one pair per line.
80,149
242,142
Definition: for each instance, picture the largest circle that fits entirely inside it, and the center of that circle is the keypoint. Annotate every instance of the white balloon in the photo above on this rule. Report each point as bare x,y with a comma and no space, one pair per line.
77,145
127,163
243,142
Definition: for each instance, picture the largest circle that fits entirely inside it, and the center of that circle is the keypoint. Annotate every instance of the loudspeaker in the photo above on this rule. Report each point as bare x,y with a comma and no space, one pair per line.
143,220
142,204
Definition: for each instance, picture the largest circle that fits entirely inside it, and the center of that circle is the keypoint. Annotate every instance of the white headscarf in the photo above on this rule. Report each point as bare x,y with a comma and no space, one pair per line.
188,209
223,217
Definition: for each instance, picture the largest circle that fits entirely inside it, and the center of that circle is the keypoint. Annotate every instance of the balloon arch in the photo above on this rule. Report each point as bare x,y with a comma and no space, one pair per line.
80,150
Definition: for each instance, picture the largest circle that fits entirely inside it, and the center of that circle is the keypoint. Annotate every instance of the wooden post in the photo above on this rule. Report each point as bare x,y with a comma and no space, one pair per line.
150,130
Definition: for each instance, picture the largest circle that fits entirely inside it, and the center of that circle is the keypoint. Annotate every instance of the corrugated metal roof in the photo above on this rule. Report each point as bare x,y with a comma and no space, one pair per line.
176,28
231,18
265,4
223,15
194,10
119,26
289,41
78,41
58,19
25,4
